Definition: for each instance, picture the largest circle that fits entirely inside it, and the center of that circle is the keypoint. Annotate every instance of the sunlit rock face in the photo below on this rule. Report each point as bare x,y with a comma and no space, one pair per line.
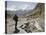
33,25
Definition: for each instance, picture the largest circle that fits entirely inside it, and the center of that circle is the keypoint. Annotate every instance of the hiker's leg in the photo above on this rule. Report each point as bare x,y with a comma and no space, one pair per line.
16,30
16,25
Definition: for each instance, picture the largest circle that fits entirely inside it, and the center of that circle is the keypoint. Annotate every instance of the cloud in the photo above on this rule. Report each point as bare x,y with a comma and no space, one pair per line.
11,5
19,7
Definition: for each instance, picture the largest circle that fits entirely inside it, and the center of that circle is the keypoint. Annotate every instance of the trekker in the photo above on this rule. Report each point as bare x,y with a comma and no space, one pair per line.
15,18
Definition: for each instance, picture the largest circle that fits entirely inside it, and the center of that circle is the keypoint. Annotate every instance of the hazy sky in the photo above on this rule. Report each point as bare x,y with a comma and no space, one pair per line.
17,7
14,5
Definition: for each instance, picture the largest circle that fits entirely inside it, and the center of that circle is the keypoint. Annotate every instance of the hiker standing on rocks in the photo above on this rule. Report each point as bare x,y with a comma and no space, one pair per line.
15,18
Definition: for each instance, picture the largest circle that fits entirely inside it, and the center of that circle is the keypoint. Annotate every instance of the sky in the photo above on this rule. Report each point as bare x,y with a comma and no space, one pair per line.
21,6
16,5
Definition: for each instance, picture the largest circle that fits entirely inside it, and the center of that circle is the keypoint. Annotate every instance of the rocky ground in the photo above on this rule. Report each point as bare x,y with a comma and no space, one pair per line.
26,25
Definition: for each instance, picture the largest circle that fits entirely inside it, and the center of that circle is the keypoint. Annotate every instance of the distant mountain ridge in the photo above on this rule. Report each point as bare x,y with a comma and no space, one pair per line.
37,12
28,13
